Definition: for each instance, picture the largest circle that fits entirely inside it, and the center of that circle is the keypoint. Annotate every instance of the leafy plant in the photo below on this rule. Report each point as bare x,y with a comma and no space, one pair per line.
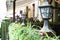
28,33
18,32
13,31
4,28
52,38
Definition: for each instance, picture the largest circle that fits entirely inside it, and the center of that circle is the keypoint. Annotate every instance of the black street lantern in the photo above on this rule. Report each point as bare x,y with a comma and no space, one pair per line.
46,13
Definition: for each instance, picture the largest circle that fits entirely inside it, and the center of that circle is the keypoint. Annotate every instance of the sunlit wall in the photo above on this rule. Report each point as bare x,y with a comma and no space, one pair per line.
2,10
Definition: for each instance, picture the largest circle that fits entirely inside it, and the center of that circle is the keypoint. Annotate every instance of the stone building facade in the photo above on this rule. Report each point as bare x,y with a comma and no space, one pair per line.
30,7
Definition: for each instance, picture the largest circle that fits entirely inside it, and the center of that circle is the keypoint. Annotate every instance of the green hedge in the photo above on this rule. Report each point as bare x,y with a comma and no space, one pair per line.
4,28
0,32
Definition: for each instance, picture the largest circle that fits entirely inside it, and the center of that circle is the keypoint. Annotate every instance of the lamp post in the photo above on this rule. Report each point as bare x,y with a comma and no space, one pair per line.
23,18
46,13
11,3
13,10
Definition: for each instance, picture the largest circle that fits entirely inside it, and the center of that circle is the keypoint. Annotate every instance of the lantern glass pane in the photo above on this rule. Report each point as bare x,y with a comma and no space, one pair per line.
44,10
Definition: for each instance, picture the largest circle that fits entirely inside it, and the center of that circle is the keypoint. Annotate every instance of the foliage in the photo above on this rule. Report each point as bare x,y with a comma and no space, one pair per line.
13,31
18,32
5,23
27,33
0,32
51,38
4,28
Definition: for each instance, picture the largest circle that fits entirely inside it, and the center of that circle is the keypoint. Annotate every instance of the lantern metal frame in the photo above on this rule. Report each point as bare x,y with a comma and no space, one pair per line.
46,13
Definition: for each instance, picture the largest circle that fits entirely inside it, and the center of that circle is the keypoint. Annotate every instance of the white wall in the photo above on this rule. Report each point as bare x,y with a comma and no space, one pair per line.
3,10
37,10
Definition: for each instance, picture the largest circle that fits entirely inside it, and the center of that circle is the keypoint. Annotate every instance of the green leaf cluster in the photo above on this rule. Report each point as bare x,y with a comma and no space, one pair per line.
4,28
18,32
